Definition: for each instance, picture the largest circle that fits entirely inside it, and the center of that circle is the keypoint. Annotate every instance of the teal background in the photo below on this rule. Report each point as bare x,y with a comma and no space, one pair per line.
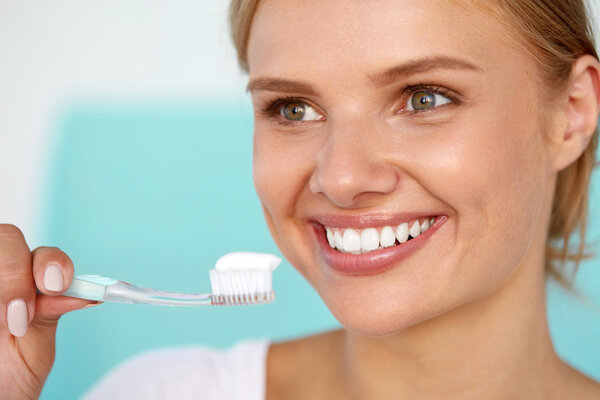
154,194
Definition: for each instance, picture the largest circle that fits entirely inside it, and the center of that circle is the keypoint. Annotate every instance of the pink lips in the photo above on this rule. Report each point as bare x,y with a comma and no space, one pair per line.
374,262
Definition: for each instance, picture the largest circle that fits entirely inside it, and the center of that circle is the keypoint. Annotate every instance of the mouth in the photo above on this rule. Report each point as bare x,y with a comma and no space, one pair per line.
365,250
362,241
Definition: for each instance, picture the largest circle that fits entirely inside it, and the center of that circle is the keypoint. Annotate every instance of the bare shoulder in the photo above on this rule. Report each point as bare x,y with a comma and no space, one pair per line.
305,367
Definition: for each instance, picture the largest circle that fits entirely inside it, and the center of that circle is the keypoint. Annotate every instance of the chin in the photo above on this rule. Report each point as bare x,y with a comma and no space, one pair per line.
392,303
379,313
379,323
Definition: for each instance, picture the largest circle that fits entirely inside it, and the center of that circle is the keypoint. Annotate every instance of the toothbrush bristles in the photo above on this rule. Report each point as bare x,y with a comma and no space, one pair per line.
238,287
229,300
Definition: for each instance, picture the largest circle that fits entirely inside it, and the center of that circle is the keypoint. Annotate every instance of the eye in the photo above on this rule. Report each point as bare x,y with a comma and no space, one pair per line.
423,100
298,111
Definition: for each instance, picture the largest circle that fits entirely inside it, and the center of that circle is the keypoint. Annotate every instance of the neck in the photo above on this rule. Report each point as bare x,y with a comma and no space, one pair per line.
497,347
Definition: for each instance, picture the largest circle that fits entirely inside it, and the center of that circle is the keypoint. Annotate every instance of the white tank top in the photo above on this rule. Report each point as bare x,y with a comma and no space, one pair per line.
188,373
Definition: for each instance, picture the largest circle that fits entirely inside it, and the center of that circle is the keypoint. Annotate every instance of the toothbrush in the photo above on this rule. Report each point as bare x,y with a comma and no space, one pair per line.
238,278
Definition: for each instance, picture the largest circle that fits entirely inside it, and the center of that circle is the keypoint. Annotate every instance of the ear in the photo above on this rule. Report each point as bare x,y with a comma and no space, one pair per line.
582,108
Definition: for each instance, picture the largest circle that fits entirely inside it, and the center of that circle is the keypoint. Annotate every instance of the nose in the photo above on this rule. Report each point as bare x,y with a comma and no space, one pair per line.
352,167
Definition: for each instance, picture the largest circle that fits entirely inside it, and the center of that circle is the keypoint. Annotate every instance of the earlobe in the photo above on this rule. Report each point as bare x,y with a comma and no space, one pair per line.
583,106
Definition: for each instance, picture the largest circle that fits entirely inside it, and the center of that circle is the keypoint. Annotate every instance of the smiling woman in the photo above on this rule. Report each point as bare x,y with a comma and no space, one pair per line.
416,162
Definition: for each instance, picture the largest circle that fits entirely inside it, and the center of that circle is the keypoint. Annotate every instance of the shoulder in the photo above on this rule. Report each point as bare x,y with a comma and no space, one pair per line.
183,373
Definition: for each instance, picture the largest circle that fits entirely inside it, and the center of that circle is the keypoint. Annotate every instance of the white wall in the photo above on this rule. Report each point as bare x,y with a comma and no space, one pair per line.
52,52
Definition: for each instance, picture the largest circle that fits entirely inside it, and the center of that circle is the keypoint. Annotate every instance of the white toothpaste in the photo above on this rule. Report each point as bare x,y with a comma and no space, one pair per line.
242,260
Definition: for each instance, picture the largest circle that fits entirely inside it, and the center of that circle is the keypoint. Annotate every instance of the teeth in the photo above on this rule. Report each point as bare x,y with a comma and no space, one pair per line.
357,241
369,239
337,239
402,233
330,237
388,238
415,229
351,240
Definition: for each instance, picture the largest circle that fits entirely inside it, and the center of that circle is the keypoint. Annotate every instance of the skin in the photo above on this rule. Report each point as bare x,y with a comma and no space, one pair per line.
464,316
25,361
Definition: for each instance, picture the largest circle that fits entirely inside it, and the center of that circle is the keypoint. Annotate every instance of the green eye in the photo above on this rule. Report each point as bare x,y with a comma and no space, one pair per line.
294,111
426,100
423,100
299,111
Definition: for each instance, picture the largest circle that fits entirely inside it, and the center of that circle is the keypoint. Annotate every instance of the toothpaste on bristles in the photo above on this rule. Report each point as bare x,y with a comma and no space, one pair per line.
243,278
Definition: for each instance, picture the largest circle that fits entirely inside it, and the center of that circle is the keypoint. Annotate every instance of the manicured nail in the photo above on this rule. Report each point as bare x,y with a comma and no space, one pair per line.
16,317
53,278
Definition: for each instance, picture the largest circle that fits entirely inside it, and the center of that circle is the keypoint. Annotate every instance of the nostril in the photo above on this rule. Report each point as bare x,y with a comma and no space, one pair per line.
347,190
350,165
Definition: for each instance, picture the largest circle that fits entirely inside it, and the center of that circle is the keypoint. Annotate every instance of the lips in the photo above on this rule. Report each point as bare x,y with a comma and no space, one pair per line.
371,261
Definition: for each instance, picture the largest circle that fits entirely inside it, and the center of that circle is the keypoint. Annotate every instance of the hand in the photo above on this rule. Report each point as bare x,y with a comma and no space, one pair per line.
28,319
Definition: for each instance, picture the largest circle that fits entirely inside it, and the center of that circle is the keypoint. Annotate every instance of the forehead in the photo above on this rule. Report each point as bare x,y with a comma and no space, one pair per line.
328,35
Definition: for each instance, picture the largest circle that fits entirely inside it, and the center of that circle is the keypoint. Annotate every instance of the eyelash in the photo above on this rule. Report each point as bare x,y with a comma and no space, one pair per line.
436,89
273,108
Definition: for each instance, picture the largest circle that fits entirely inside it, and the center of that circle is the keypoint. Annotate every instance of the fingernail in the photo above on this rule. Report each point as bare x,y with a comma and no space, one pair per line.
16,317
53,278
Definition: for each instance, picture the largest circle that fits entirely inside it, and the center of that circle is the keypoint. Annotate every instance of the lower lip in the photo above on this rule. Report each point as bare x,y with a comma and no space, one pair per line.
374,262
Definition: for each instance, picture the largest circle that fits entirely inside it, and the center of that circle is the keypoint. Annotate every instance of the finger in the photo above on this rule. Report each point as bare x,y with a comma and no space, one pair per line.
17,289
52,270
38,345
50,308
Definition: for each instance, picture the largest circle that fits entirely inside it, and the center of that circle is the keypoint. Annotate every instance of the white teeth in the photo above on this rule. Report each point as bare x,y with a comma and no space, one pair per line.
369,239
330,237
402,232
388,238
365,240
339,242
415,229
351,240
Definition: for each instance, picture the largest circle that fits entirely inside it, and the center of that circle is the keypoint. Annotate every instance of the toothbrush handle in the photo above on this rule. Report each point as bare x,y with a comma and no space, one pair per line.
100,288
123,292
90,287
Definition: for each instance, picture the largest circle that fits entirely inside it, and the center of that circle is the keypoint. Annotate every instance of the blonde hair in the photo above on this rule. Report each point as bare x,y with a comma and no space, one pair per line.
556,33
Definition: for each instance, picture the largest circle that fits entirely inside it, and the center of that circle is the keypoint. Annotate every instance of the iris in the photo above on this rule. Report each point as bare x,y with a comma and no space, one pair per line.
294,111
423,100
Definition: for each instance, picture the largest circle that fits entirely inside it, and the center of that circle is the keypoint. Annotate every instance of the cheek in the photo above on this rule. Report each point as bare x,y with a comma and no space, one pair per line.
273,178
281,173
282,166
491,171
488,169
493,178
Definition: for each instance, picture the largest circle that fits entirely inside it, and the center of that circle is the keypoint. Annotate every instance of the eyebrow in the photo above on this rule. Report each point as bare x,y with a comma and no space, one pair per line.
281,85
387,77
419,66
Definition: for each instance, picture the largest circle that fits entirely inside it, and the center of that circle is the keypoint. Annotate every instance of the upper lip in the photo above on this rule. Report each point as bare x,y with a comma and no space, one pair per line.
370,220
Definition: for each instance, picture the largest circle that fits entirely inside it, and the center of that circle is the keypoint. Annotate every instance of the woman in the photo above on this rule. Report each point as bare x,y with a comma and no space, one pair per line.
415,161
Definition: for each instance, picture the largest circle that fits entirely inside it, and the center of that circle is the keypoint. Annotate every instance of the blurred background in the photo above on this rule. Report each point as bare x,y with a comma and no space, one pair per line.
125,139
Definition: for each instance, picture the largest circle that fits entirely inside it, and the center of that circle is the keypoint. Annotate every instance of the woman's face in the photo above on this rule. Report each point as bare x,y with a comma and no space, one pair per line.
374,119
